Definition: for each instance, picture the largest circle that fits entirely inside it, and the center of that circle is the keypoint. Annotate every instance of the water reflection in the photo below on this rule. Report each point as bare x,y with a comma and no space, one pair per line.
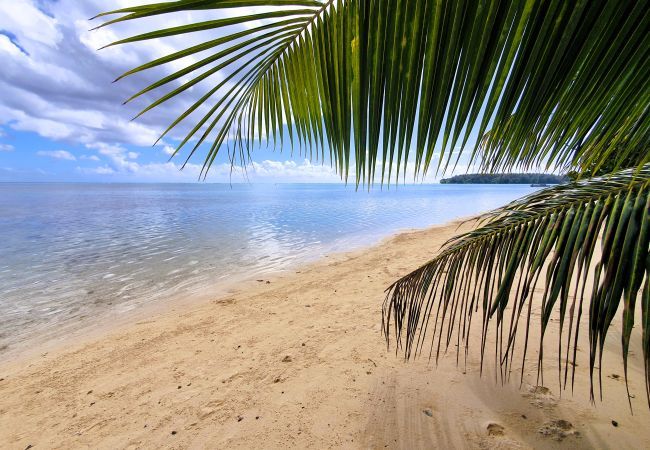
73,252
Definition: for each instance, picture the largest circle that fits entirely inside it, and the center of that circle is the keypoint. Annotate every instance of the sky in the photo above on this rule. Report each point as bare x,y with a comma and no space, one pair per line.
62,117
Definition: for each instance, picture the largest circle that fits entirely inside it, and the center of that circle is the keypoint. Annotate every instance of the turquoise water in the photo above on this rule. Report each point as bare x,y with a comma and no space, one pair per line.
72,253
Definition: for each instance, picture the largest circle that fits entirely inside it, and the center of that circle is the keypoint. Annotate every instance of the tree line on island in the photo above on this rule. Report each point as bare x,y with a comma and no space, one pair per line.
506,178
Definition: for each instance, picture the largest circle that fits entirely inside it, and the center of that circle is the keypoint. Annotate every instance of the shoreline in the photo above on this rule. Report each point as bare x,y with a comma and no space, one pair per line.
114,321
300,362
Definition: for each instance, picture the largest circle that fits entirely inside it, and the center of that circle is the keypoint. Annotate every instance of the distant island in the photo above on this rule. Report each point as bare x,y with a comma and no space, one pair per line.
507,178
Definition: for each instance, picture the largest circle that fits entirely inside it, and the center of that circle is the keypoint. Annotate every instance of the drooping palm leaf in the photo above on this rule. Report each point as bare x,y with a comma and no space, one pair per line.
378,83
552,235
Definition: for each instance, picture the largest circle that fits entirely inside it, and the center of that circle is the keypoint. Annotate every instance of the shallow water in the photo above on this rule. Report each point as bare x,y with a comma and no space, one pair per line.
71,253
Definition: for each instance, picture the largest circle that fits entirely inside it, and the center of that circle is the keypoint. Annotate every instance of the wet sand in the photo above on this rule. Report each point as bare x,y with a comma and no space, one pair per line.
298,361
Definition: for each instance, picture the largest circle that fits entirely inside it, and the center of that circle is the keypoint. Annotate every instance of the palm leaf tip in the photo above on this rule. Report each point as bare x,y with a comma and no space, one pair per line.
586,245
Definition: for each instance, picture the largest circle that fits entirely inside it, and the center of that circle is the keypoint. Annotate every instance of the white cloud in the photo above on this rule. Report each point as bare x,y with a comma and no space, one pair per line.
8,47
29,24
102,170
121,168
268,171
6,148
291,171
117,155
168,150
57,154
161,172
57,84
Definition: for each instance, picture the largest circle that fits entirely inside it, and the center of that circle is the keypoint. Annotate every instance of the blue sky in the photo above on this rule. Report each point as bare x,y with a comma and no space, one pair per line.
62,118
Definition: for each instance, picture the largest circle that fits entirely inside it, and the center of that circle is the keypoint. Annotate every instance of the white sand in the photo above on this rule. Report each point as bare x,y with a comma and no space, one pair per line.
300,363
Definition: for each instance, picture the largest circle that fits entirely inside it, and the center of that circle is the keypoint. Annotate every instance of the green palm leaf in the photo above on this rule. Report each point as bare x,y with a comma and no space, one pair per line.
553,235
375,84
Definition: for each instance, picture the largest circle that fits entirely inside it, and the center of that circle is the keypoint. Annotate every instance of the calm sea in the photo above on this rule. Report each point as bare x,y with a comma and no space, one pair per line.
73,253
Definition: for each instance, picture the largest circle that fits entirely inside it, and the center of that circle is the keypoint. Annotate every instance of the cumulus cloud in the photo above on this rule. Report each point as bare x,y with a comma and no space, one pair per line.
155,172
56,83
57,154
25,17
120,168
291,171
6,148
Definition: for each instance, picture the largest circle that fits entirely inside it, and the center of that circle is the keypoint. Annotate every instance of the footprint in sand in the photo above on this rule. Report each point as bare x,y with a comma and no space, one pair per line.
558,429
494,429
541,397
497,438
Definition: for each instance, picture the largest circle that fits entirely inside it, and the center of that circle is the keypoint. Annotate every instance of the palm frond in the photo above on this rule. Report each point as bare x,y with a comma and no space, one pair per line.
374,84
269,78
552,234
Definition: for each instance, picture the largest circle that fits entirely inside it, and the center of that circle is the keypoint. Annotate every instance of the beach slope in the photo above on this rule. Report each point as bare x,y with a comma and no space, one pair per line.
298,361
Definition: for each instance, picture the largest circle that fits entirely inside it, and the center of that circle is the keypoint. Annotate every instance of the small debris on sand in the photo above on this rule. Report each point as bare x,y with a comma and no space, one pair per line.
287,359
428,412
494,429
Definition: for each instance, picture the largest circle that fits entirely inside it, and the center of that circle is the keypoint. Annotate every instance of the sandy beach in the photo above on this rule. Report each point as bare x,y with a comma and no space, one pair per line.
298,361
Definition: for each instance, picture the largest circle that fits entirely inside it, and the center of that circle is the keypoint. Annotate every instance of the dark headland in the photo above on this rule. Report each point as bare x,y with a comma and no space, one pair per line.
507,178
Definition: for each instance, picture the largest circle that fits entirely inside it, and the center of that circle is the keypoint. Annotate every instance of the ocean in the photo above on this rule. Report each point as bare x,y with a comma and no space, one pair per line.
72,254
